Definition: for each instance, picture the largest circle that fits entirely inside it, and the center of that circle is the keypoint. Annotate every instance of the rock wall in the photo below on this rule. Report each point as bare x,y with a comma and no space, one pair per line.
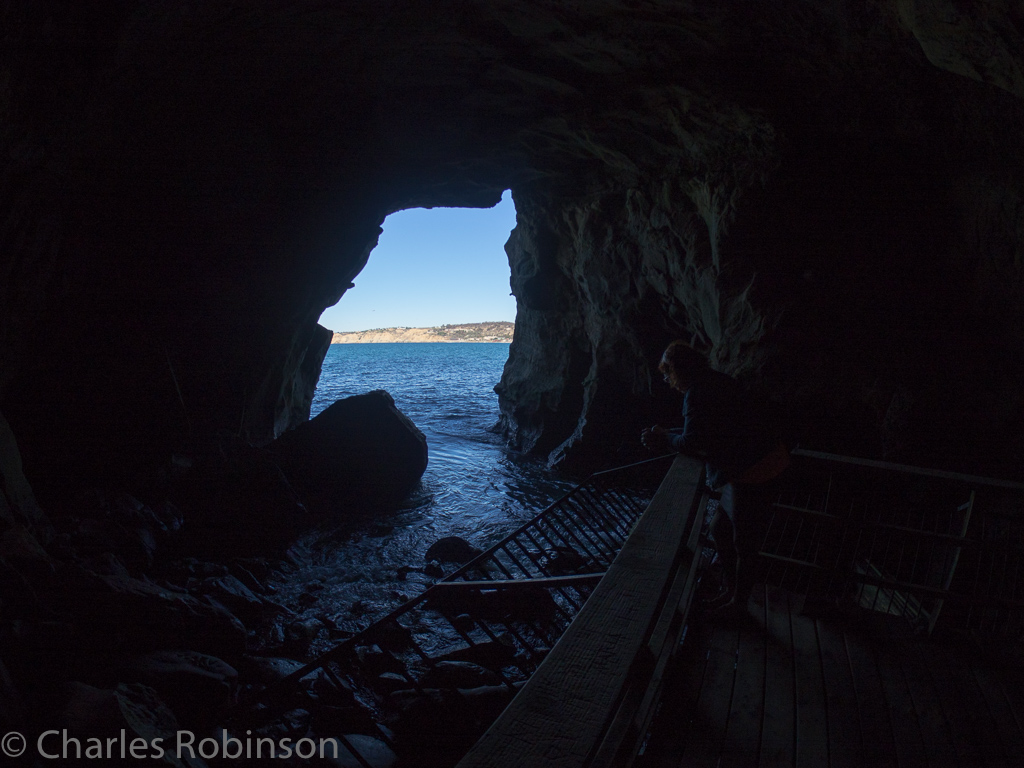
826,194
829,227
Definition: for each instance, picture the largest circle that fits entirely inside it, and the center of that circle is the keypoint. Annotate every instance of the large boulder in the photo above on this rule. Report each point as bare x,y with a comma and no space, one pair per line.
361,451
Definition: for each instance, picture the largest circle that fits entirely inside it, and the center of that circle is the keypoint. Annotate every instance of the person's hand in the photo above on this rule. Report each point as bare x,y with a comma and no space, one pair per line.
654,438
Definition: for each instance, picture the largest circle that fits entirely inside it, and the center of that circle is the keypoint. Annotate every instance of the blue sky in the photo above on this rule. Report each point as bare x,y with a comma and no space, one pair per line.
433,267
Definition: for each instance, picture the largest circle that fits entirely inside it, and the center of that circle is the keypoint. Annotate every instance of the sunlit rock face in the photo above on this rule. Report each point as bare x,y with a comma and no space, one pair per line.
825,194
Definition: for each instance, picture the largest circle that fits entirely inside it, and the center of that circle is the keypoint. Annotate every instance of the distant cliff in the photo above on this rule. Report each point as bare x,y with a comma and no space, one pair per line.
474,332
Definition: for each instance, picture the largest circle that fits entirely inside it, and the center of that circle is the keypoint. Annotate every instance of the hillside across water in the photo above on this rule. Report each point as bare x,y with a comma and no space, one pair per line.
486,332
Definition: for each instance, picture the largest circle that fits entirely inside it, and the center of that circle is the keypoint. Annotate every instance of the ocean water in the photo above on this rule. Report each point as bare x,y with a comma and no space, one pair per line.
472,486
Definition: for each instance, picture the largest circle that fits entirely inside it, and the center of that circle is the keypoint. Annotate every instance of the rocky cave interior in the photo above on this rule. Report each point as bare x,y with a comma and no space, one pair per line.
826,194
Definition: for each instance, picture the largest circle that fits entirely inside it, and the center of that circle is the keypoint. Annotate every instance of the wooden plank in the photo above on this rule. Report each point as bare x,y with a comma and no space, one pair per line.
663,642
845,745
906,730
877,745
811,711
563,709
683,584
677,714
712,714
778,728
931,716
955,664
1003,716
957,727
1002,674
989,685
742,745
631,720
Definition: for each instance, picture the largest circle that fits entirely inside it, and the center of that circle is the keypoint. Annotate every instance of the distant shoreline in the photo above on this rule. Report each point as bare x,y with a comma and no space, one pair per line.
494,333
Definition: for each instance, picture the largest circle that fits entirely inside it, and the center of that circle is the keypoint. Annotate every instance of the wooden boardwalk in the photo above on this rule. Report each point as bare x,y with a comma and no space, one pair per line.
860,690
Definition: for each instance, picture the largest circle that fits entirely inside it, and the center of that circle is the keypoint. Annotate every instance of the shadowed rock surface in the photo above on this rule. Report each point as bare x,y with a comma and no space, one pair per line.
827,195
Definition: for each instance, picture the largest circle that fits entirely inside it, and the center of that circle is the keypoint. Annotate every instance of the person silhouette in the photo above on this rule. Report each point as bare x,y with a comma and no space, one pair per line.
745,457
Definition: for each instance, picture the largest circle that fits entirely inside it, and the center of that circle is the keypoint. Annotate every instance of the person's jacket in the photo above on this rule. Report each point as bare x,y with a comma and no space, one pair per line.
725,424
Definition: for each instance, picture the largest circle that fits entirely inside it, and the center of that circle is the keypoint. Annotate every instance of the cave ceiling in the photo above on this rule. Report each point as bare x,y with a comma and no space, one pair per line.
827,195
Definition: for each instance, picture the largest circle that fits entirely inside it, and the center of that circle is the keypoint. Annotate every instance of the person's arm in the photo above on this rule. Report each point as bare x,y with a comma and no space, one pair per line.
691,439
687,440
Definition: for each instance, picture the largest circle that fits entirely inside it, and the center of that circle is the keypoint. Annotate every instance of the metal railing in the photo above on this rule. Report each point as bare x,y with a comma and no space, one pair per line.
502,612
938,548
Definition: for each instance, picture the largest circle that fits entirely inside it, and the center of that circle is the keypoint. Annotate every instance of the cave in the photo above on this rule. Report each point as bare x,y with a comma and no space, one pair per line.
826,196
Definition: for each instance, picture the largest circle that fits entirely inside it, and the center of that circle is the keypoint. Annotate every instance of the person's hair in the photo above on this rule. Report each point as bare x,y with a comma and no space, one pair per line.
686,362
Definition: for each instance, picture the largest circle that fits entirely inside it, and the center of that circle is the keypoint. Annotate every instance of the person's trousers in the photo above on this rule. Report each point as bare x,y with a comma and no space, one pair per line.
739,529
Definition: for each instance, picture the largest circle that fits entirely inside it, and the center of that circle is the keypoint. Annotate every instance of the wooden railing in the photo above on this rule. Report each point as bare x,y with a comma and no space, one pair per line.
590,701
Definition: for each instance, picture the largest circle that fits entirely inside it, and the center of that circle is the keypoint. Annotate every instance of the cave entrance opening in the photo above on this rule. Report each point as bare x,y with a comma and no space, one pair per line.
433,268
429,320
436,276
